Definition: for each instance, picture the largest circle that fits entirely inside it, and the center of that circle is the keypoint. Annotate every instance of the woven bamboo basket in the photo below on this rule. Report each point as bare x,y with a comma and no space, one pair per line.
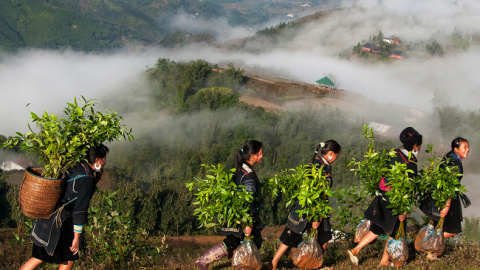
39,195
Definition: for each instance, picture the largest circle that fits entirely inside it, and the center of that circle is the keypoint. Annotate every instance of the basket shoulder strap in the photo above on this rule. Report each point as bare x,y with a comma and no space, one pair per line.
75,178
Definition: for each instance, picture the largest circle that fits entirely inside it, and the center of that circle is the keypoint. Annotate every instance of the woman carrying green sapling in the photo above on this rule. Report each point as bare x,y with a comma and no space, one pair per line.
297,225
382,219
452,213
57,240
245,159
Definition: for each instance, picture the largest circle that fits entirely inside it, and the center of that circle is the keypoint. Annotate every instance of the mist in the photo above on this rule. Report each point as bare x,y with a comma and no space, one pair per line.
49,79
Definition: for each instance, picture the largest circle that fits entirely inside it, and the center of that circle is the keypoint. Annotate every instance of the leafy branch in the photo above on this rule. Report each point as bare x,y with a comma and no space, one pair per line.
403,188
307,184
219,199
63,142
374,166
439,180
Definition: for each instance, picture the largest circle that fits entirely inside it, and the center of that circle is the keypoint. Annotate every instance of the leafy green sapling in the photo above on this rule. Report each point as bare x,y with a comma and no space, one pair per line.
439,180
63,142
219,199
374,165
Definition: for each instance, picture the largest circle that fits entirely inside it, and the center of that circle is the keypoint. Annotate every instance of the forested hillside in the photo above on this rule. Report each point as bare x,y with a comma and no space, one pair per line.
98,25
41,24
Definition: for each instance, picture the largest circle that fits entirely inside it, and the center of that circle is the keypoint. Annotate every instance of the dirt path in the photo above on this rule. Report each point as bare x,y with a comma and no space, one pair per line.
269,234
268,106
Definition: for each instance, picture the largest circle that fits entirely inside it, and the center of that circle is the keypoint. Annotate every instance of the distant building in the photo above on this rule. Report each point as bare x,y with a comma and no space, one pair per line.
324,83
380,129
306,5
398,55
290,15
369,47
17,164
392,40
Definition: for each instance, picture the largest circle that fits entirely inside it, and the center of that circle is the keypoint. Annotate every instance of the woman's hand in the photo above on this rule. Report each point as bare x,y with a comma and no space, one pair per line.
248,230
444,211
315,225
402,217
75,243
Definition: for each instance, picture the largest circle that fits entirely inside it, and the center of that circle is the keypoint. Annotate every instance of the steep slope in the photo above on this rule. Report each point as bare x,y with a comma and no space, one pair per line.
53,24
119,12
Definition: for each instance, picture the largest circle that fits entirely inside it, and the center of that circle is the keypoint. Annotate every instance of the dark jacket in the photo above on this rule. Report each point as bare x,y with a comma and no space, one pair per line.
378,211
297,223
248,178
82,188
428,206
46,232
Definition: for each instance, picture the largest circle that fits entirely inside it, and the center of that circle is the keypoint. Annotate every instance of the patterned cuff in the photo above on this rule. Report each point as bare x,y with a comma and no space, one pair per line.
78,228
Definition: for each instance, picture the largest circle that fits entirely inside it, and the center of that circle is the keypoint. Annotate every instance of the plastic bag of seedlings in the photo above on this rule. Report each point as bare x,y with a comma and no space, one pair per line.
430,239
246,256
292,250
362,229
308,254
397,248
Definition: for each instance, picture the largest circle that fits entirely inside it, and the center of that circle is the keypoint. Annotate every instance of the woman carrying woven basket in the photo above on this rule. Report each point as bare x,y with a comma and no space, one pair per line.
57,240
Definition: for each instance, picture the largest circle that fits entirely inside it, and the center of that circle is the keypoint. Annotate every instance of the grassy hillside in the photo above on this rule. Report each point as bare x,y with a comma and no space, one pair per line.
51,24
38,24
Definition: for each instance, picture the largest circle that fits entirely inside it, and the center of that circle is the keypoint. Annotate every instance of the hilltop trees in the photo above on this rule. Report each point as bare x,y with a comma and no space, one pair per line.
434,48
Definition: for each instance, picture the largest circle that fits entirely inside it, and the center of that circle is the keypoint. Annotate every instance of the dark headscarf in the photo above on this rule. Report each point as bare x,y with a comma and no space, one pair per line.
410,137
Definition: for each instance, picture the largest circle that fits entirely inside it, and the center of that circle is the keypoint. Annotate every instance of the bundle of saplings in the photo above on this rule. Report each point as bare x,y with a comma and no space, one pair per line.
61,143
402,196
371,169
309,186
438,183
221,201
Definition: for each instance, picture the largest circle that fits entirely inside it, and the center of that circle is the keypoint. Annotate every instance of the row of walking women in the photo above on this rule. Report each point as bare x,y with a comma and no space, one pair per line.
382,219
59,239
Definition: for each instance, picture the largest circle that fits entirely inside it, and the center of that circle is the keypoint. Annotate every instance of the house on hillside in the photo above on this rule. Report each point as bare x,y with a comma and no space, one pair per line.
369,47
392,40
397,55
380,129
324,83
17,164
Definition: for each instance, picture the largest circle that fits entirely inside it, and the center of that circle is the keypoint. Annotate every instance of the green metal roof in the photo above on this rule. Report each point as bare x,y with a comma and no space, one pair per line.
325,81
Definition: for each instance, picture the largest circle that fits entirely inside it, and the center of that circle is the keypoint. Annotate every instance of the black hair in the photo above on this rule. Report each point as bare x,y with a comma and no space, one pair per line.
330,145
410,137
99,151
249,148
457,142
